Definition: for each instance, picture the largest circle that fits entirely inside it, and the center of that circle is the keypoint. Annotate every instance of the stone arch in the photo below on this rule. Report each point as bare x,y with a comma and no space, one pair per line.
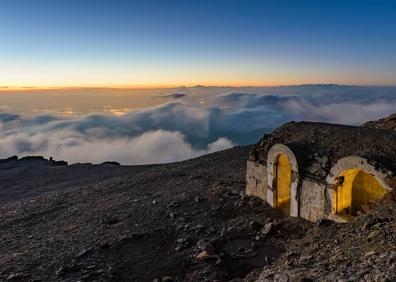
353,163
272,158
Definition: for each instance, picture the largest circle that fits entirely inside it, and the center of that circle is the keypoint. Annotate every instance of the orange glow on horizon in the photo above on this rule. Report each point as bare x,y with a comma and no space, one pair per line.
135,86
28,88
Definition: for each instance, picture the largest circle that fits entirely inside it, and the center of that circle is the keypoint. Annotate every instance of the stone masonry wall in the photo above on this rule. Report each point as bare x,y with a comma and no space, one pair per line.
256,180
312,200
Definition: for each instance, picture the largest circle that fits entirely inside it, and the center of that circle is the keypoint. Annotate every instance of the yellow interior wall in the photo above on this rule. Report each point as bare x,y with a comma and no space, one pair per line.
283,183
343,196
365,188
354,189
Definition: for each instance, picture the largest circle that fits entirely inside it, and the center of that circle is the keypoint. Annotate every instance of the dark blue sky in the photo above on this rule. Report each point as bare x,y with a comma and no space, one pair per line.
87,43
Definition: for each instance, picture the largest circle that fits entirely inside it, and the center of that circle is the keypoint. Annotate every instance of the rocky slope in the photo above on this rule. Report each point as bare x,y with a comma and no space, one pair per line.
186,221
361,250
384,123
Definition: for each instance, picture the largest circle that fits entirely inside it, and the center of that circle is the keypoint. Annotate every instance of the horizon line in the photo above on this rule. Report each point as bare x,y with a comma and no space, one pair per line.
6,88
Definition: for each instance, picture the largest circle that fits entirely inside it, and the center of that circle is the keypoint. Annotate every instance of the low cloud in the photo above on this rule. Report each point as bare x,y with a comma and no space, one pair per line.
327,103
168,133
150,147
183,129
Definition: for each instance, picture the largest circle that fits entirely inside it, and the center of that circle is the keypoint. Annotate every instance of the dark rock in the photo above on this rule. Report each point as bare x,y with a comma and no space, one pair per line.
267,229
254,225
17,277
205,246
324,222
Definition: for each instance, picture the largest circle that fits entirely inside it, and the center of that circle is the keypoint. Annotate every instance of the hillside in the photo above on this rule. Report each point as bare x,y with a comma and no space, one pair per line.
388,122
135,223
183,221
361,250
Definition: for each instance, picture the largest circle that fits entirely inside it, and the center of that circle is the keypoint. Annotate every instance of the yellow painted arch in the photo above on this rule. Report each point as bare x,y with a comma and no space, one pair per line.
354,189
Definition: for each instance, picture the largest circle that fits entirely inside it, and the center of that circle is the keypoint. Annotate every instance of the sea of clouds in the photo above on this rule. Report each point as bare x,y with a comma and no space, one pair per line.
187,127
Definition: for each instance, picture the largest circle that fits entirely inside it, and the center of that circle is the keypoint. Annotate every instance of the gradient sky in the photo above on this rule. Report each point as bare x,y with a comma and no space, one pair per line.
215,42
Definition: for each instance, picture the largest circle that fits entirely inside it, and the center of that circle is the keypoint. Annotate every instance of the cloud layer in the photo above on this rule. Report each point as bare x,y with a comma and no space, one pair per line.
184,128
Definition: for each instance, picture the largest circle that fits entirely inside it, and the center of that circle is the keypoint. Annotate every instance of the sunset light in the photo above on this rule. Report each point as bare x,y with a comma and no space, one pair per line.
197,140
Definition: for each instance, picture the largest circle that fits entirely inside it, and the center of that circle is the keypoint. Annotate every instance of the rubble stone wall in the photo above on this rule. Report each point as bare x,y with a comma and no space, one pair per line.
256,180
312,199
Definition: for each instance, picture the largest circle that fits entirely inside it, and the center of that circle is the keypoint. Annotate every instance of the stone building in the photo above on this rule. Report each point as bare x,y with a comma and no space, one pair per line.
317,170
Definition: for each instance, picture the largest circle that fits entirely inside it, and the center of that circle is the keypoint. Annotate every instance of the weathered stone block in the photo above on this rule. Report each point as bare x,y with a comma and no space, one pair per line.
312,199
256,180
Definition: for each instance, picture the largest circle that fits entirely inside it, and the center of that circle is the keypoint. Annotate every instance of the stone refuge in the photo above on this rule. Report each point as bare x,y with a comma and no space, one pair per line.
323,171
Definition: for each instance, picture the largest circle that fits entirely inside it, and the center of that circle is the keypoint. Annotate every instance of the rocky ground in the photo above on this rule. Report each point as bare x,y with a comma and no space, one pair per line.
361,250
184,221
388,122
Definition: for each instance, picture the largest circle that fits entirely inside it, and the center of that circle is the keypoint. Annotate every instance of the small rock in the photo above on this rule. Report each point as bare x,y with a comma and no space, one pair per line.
324,222
215,207
205,246
83,252
202,256
337,258
61,270
282,277
86,276
372,235
17,277
254,224
378,225
254,203
369,254
267,228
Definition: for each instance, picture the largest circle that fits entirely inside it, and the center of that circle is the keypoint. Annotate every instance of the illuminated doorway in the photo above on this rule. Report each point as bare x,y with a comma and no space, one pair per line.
283,183
354,189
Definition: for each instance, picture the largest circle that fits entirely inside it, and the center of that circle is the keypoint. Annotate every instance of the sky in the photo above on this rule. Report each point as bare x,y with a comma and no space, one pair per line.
154,81
45,43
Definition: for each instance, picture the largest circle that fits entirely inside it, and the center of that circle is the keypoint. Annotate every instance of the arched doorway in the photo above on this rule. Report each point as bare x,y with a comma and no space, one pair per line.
283,183
354,189
352,183
283,179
